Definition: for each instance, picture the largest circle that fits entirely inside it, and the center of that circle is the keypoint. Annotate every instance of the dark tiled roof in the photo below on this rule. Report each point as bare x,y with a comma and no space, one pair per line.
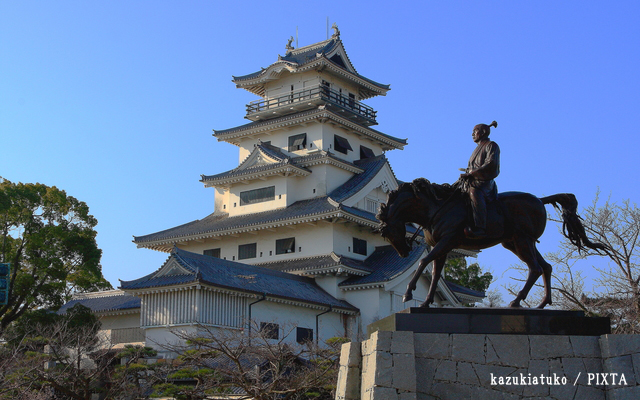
282,160
386,264
238,276
371,167
221,221
463,290
115,302
307,54
315,262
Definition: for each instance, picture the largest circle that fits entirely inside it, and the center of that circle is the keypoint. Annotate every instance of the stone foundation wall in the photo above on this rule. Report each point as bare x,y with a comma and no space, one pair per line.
416,366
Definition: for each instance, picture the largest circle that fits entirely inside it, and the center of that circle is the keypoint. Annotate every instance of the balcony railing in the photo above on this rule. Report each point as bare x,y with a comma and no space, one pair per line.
305,99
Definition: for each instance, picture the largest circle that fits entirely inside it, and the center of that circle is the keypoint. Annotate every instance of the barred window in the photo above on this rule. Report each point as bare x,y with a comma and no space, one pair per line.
360,246
270,330
297,142
212,252
257,195
341,144
284,246
304,335
247,251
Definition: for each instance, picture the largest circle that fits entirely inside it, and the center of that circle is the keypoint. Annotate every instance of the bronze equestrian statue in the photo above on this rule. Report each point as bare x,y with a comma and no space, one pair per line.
516,220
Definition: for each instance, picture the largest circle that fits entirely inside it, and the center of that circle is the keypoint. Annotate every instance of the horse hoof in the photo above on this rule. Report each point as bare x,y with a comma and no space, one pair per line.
407,297
515,304
543,304
424,305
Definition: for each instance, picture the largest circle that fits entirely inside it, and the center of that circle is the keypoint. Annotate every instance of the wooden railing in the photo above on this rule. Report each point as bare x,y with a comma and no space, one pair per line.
318,92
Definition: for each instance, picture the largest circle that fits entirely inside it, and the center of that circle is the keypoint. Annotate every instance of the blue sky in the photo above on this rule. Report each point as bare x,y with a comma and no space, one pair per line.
115,102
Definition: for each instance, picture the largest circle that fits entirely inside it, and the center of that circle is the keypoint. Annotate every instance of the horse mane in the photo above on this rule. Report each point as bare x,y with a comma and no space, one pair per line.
435,191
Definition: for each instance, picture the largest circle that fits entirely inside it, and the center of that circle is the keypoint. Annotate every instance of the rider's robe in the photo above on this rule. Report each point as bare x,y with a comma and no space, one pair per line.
484,166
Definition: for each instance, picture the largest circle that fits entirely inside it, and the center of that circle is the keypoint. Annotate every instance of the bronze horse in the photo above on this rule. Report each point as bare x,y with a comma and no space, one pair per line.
515,219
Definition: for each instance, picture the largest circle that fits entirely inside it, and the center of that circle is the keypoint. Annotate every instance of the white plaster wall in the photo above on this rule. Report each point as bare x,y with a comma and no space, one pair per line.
234,208
329,283
160,336
311,240
368,301
288,317
121,321
343,235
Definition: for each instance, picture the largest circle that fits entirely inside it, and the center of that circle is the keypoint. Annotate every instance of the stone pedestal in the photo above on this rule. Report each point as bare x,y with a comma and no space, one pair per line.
404,365
513,321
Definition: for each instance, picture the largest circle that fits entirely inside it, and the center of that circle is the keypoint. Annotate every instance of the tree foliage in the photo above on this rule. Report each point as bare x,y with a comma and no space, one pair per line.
469,276
252,366
66,356
49,239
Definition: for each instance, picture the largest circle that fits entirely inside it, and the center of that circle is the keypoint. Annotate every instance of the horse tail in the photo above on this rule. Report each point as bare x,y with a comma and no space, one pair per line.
572,226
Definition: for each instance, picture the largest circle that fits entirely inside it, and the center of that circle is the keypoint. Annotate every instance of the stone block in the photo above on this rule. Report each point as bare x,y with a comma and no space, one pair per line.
425,372
404,372
537,368
467,374
636,365
508,350
376,370
402,342
585,346
624,393
620,365
546,347
619,345
407,396
470,348
446,371
380,341
350,354
432,345
383,393
562,392
573,367
485,372
589,393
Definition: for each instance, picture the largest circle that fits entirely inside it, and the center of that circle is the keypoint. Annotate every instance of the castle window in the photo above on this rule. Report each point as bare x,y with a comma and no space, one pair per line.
341,144
297,142
212,252
247,251
257,195
284,246
366,152
360,246
304,335
269,330
371,205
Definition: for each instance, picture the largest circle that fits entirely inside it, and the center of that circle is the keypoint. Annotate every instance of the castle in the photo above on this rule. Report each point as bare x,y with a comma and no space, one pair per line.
291,238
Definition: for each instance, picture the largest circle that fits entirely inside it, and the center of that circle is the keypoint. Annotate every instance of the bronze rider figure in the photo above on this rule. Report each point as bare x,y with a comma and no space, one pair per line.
478,178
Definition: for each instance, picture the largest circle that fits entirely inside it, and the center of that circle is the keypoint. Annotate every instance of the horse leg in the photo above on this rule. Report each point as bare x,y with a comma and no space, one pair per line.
546,272
526,251
442,248
438,266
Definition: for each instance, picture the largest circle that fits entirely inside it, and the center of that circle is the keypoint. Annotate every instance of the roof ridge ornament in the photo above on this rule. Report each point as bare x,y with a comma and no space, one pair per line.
289,47
336,33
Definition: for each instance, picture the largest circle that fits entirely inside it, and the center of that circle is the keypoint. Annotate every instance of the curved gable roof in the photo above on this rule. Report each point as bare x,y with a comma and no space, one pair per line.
239,277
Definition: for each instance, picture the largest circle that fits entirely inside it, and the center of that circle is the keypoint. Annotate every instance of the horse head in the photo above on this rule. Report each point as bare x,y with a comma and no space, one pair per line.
392,224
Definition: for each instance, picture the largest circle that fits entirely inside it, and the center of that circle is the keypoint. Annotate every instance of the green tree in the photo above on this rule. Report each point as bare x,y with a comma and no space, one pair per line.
49,239
469,276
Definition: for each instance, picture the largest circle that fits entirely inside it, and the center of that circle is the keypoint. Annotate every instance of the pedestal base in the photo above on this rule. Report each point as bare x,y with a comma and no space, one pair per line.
508,321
